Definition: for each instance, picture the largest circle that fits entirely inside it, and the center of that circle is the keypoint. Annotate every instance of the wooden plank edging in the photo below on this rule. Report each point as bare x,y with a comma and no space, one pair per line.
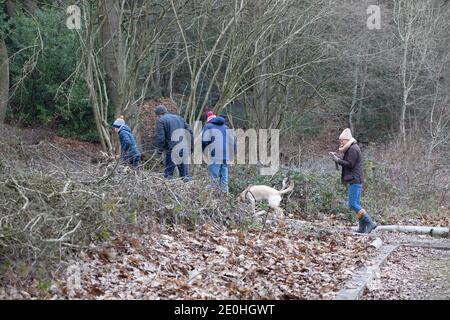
354,288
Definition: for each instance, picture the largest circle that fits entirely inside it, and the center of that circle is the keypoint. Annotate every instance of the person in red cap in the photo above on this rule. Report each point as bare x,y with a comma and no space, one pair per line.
211,116
223,147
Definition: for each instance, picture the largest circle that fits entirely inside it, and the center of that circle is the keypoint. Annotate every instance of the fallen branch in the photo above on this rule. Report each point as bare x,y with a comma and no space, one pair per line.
427,245
432,231
19,189
63,237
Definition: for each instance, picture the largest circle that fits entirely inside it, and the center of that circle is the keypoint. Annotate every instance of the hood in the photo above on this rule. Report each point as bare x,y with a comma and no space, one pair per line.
218,121
125,128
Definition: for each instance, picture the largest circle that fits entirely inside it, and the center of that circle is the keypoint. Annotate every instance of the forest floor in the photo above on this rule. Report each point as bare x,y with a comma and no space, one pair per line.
289,260
210,264
307,262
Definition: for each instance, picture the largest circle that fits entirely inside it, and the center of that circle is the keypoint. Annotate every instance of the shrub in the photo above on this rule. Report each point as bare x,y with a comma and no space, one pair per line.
44,96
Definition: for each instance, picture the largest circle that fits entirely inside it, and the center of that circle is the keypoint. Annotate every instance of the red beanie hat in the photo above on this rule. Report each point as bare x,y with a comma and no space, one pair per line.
211,116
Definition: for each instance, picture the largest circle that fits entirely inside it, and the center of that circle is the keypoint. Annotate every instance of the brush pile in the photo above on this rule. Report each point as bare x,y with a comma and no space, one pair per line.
55,200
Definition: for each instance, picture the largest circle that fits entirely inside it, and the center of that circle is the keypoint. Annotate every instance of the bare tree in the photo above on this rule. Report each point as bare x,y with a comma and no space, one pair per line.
4,79
118,39
416,25
250,46
113,51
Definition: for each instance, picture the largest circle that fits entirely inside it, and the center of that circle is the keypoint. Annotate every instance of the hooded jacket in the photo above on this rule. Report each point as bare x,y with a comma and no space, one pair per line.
128,144
220,152
165,126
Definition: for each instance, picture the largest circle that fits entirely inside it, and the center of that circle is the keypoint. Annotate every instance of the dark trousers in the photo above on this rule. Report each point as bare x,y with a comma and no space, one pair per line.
135,161
132,161
170,166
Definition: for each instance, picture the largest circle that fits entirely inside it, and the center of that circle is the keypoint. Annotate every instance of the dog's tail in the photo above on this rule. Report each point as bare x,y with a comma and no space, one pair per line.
291,187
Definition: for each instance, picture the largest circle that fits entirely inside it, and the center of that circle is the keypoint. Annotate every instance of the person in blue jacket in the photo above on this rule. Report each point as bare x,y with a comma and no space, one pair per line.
129,151
223,147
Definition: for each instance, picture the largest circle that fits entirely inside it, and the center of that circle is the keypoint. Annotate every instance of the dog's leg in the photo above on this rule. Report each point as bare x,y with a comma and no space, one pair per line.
274,203
264,225
285,181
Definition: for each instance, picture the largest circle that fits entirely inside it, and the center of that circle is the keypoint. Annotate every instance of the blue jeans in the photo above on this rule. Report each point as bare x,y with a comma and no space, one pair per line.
183,168
354,197
219,175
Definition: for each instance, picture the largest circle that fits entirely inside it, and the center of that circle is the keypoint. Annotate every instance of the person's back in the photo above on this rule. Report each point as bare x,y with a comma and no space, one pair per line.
220,153
166,125
130,152
226,150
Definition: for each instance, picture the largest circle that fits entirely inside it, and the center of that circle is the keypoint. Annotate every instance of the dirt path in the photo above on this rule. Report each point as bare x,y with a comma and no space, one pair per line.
412,274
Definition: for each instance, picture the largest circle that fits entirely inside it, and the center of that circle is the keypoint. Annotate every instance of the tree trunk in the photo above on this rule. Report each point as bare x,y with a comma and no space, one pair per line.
354,97
11,8
104,135
112,52
362,92
30,6
4,80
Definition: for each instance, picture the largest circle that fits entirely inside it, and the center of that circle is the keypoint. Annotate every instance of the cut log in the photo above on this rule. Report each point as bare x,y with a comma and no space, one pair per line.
432,231
377,243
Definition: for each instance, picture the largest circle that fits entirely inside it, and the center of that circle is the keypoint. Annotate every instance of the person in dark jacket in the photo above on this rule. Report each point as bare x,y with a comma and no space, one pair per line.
129,151
353,175
166,125
223,146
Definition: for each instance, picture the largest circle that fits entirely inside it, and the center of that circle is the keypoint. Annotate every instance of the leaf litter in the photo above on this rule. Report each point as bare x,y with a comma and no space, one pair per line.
219,264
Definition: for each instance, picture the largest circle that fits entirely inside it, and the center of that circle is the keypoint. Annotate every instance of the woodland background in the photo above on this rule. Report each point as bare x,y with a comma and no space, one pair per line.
307,67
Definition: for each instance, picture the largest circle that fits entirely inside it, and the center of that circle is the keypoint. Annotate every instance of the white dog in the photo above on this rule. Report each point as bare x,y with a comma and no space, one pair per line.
273,196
